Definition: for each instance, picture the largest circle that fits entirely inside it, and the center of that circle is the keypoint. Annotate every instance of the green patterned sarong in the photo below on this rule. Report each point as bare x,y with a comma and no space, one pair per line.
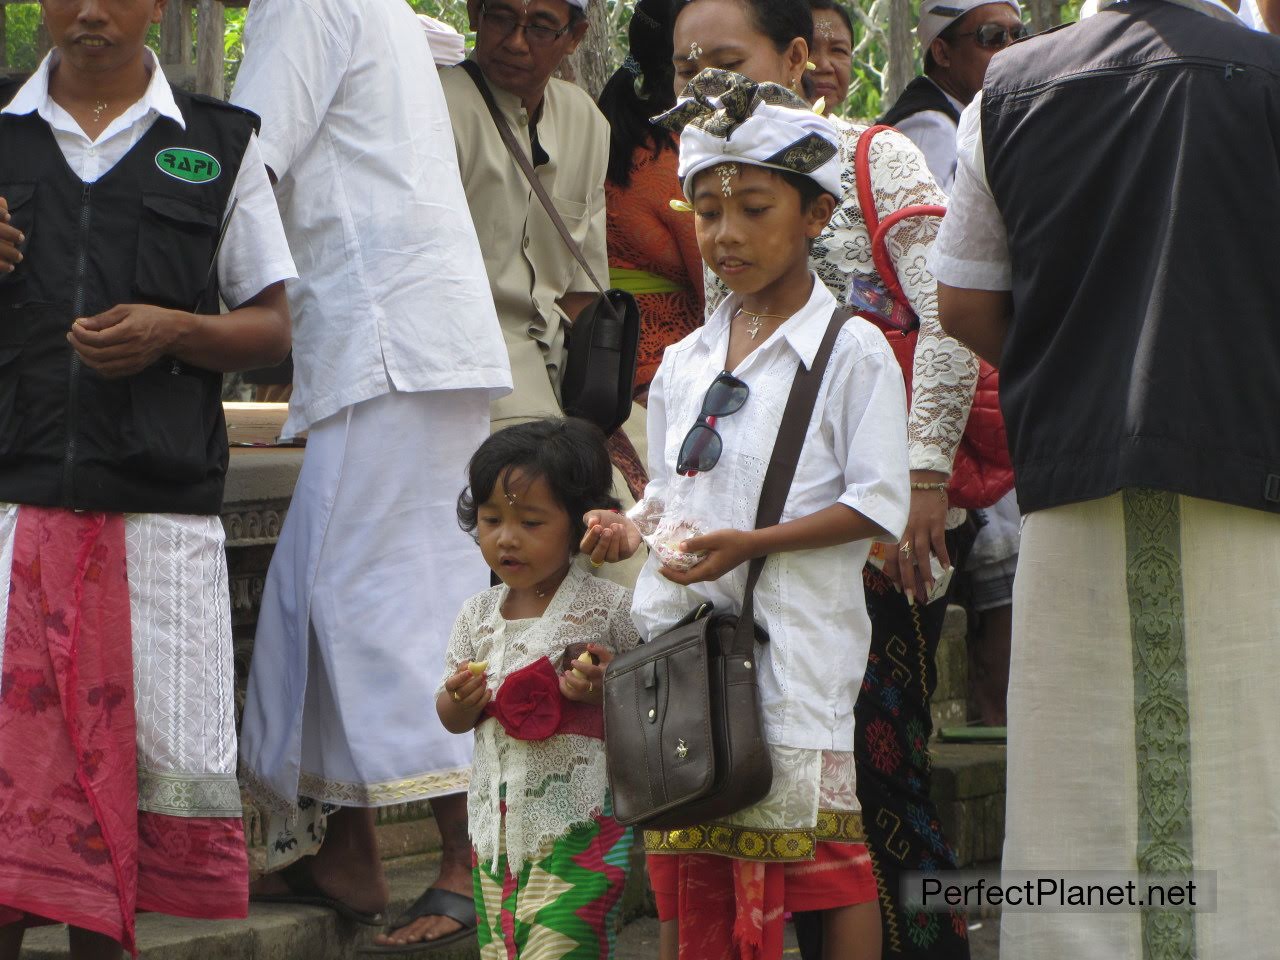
566,902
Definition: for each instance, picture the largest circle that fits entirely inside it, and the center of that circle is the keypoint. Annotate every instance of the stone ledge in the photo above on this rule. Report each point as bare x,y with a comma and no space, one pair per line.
969,790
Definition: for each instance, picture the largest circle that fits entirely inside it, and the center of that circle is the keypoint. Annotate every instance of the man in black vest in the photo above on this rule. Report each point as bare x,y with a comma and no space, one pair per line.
118,787
958,39
1111,245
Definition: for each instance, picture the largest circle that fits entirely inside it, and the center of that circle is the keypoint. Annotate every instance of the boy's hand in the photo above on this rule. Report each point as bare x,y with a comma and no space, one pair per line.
10,239
725,550
127,338
586,685
610,537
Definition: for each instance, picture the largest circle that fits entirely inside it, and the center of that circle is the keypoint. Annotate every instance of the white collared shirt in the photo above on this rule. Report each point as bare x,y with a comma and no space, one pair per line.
254,254
392,293
855,453
935,134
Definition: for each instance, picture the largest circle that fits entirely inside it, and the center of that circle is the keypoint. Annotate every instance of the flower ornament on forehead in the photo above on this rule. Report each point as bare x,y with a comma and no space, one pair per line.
725,120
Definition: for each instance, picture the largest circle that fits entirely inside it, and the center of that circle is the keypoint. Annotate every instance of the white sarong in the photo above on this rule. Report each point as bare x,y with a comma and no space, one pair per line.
1143,712
366,581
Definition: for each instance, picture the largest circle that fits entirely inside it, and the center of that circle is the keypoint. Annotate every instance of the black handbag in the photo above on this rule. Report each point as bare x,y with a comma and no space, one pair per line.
684,739
600,356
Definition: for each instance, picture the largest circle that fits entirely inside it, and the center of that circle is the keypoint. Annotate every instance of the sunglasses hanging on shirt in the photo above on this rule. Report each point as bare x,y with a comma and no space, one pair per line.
702,445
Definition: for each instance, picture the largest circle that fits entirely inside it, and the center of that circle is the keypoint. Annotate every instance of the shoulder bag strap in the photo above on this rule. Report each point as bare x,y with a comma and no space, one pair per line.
526,167
784,460
877,230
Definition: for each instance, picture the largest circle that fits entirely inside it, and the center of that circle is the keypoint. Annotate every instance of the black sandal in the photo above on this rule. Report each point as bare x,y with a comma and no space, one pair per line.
435,902
304,890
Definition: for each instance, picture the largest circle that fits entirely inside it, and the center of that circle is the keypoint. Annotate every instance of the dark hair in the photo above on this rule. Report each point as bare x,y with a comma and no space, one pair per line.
569,454
641,88
779,20
841,11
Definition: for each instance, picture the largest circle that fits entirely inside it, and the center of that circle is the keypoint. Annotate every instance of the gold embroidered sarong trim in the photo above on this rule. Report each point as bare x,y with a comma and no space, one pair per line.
759,843
387,793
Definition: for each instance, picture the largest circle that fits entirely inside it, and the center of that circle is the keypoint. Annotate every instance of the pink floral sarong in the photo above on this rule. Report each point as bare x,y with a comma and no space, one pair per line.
76,848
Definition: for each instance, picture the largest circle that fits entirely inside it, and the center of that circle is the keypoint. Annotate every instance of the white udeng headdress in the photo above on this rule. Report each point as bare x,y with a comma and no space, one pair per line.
723,117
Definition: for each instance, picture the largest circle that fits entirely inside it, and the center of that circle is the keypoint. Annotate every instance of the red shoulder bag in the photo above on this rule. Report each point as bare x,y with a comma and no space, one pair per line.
982,472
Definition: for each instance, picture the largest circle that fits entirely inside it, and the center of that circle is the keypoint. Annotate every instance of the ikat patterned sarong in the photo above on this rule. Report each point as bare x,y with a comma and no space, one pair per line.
565,904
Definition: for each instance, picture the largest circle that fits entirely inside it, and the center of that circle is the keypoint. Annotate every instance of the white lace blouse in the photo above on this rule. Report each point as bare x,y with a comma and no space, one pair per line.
549,785
945,371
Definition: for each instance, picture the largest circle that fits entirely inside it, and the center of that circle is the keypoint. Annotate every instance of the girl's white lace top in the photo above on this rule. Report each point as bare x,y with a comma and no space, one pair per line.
550,785
945,371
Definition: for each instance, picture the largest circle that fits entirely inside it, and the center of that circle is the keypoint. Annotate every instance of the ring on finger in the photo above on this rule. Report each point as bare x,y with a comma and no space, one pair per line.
597,563
454,694
904,549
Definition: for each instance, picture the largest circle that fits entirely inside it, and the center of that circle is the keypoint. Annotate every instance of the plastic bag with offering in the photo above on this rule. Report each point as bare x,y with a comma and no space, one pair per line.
665,530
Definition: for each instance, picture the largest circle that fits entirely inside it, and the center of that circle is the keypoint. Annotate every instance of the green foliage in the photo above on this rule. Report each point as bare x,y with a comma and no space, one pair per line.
22,21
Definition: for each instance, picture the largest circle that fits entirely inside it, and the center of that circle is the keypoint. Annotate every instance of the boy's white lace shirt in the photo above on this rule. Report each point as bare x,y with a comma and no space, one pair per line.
945,371
552,785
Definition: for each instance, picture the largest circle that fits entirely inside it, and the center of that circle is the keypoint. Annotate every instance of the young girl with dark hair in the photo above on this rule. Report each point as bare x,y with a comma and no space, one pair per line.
761,170
652,250
770,40
524,673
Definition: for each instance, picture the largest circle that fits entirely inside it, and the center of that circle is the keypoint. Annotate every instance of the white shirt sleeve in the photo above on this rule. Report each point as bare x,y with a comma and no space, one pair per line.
656,434
934,133
972,249
255,253
867,412
292,67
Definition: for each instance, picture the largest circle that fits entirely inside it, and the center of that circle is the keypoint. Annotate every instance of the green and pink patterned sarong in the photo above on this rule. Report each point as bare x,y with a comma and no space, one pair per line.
565,903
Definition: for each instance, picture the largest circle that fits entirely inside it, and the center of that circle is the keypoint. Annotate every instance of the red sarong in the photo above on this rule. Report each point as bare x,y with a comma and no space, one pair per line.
76,849
737,908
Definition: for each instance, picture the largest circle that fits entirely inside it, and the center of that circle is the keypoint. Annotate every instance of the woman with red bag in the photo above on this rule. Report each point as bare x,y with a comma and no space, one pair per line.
768,41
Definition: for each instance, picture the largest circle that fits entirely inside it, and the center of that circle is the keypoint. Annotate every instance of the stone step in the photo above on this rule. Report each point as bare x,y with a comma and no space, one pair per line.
968,788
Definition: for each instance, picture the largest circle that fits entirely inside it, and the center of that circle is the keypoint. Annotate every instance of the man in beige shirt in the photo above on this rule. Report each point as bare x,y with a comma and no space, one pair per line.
536,281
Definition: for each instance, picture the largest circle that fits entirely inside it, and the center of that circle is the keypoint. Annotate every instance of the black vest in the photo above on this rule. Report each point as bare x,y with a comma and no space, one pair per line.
1135,158
920,94
145,232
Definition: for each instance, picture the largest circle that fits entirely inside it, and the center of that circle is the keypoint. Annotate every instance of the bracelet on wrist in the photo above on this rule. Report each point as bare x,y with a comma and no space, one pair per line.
940,485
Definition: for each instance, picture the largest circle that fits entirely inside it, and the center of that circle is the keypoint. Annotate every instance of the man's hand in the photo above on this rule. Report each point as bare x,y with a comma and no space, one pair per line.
128,338
725,550
10,239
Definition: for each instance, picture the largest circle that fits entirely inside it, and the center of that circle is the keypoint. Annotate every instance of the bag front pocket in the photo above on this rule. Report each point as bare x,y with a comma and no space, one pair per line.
176,240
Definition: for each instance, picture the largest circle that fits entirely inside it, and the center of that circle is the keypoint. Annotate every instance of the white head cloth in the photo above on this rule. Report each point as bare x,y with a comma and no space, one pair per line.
448,46
723,117
937,15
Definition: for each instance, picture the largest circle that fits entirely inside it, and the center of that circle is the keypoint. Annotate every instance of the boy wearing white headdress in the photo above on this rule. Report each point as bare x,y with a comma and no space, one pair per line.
762,173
